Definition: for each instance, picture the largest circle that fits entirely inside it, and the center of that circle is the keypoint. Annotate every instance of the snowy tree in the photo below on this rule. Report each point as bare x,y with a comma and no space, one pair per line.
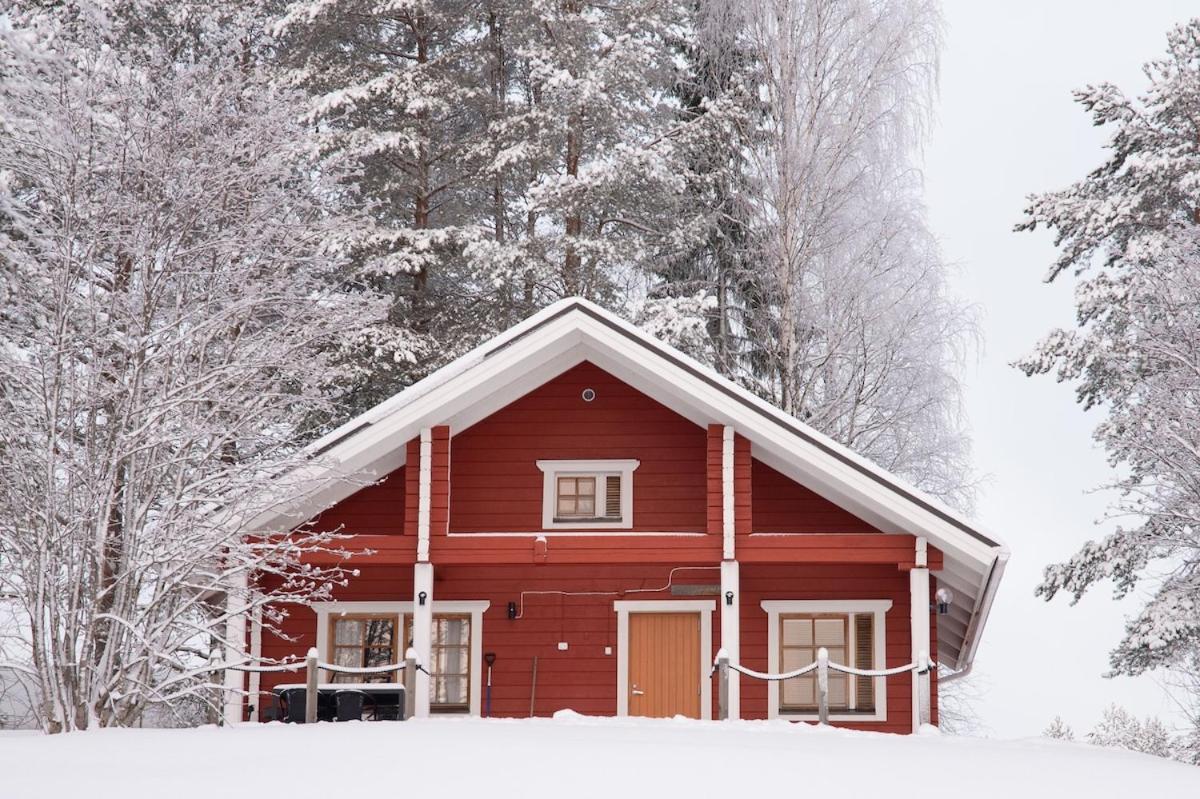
172,308
1059,730
1119,729
835,305
1129,232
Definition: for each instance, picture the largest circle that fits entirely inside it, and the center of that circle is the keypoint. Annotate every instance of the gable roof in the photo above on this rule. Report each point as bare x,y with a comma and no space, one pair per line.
574,330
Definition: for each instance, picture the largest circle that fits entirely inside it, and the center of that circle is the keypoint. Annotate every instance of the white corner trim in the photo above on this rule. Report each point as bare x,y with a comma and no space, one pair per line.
551,469
704,607
424,493
878,607
728,519
472,607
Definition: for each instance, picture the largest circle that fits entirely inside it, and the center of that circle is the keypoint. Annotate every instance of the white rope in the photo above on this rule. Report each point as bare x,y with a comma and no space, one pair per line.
761,676
758,675
362,669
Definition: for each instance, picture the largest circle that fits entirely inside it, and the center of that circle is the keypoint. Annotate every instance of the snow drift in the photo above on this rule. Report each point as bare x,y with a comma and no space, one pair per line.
567,756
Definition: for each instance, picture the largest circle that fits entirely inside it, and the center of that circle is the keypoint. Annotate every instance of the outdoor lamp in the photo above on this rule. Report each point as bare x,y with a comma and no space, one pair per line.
944,597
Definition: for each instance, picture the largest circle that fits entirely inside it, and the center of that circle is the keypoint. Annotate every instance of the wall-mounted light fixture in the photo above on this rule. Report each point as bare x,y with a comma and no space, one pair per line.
421,597
512,610
944,598
729,598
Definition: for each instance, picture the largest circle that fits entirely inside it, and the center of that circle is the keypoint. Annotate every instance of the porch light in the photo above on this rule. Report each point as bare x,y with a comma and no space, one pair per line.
421,597
944,598
729,598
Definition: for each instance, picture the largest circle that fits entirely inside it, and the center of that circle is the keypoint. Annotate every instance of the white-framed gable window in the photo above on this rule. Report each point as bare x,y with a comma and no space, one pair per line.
589,494
854,634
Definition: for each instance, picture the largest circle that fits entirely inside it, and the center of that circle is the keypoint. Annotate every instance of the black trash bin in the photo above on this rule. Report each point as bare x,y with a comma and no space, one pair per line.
349,705
291,702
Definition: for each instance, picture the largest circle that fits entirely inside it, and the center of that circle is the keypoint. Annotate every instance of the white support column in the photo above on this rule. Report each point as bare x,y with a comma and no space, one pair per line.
918,581
728,518
235,644
422,632
731,630
424,494
255,677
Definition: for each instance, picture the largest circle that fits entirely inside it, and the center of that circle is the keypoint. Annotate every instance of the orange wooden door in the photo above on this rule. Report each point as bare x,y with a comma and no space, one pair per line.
664,664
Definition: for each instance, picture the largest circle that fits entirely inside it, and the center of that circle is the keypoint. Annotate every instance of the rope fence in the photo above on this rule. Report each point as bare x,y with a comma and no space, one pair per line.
313,666
722,666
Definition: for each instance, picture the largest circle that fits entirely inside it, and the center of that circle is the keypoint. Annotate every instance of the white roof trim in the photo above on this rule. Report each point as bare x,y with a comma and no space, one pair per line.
574,330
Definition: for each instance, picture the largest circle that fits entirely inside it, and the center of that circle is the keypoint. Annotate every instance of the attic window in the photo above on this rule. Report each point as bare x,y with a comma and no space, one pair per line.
587,494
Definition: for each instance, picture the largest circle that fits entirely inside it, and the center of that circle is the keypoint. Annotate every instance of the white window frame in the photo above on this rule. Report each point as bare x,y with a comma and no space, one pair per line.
599,469
471,607
704,607
783,607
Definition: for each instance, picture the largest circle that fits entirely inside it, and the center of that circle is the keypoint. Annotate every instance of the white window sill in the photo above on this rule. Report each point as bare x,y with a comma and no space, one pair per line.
794,716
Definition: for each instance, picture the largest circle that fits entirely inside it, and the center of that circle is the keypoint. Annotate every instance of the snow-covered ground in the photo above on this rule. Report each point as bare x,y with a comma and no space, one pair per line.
567,756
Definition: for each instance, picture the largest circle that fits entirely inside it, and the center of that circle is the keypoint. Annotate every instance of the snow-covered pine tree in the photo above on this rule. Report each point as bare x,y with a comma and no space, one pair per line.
171,310
1119,729
1130,232
1059,730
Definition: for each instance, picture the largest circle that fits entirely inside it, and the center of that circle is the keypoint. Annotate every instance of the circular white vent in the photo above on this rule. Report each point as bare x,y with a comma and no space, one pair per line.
589,394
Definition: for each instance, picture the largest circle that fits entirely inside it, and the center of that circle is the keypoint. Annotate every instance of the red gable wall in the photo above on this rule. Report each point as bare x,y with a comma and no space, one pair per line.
373,510
495,484
781,505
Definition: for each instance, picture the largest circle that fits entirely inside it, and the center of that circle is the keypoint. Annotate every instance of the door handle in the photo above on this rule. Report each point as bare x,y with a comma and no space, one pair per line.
636,691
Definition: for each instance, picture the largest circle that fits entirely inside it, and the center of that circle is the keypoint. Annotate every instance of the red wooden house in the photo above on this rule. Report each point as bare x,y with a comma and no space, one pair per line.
601,513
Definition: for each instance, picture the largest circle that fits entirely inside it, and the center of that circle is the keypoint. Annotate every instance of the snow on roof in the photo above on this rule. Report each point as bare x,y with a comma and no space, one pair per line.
574,330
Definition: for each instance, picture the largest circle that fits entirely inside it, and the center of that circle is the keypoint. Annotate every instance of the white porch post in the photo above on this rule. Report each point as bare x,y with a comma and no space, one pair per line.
918,581
422,633
730,630
255,678
235,644
730,593
422,619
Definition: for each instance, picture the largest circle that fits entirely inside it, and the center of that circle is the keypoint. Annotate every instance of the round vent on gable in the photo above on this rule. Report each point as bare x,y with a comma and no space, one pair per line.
589,394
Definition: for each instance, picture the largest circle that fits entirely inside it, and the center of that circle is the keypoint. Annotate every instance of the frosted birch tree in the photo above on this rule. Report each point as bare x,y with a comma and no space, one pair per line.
173,303
832,299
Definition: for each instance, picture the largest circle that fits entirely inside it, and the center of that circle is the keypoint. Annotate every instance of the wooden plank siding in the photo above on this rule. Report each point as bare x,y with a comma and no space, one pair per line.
584,678
486,509
498,487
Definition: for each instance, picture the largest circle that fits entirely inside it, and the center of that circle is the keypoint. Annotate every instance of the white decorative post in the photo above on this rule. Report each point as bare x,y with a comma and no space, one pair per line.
422,634
730,631
919,599
422,621
822,686
235,646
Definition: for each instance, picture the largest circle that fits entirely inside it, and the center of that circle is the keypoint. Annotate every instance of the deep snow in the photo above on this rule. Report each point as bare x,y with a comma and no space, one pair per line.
567,756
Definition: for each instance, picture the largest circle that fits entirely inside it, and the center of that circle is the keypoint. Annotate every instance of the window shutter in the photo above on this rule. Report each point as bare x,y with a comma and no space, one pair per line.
864,658
612,494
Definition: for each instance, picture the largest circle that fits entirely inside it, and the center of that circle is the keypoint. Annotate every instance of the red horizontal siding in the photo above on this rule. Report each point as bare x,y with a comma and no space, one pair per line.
584,678
781,505
373,510
496,485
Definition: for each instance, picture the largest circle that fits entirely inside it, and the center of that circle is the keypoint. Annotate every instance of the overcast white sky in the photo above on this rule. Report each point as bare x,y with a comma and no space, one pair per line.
1007,126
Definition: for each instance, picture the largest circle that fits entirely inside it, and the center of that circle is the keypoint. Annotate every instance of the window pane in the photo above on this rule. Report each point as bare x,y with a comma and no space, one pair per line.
830,632
347,656
796,658
586,506
566,506
837,690
348,631
453,631
379,632
797,631
799,691
586,486
566,486
381,656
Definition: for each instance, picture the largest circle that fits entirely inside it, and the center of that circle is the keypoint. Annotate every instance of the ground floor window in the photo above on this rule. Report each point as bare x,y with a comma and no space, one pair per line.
450,662
361,641
801,635
853,633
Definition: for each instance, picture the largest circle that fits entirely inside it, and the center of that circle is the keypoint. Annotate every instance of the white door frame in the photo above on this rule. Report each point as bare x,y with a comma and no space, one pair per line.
703,607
